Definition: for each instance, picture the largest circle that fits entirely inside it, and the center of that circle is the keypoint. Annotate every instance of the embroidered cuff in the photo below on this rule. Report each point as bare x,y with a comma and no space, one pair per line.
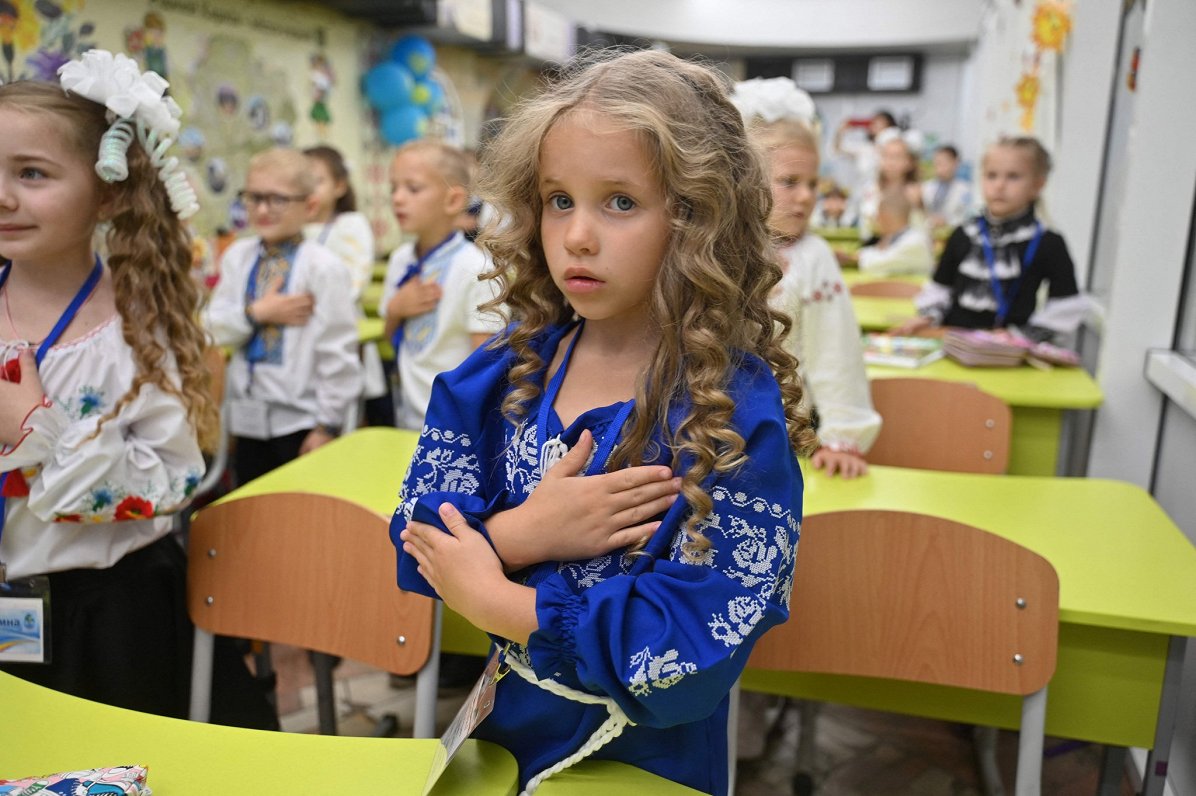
426,509
41,429
552,647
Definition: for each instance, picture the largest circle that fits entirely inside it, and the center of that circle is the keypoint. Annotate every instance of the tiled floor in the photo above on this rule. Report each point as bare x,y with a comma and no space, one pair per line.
858,752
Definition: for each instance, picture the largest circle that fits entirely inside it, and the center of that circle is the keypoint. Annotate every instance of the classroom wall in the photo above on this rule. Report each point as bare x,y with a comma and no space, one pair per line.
1135,436
244,73
938,110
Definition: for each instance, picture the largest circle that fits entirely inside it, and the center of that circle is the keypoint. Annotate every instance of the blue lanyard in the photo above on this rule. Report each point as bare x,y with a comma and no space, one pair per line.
606,445
413,271
1005,300
64,321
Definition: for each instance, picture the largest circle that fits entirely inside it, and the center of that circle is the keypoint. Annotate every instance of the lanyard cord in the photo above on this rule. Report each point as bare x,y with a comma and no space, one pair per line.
414,270
606,445
1005,300
68,315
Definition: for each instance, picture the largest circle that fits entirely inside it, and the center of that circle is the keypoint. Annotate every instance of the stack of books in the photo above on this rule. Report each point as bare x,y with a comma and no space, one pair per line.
1001,348
900,352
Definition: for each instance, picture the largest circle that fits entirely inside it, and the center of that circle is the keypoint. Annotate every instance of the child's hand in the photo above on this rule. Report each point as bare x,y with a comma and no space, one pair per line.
413,298
570,518
913,326
468,576
849,465
315,438
282,309
20,391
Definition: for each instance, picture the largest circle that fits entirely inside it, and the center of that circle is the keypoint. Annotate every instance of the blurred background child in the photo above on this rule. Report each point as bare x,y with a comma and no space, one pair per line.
432,293
945,197
897,170
335,223
284,304
900,248
994,264
833,210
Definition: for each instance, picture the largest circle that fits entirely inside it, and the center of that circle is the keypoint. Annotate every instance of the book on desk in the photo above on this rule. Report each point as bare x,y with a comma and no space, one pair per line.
901,352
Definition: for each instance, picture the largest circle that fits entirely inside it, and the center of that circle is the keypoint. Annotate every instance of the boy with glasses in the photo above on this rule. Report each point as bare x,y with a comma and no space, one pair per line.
285,307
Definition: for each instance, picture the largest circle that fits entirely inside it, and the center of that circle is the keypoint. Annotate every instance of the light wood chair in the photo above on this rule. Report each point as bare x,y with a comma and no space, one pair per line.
903,596
886,288
312,571
940,425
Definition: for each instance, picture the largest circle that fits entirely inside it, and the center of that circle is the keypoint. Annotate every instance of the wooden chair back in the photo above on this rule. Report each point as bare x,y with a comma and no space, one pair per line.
911,597
886,288
940,425
312,571
216,361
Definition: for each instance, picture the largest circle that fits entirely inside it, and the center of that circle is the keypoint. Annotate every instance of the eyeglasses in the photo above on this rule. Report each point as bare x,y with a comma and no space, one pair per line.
273,201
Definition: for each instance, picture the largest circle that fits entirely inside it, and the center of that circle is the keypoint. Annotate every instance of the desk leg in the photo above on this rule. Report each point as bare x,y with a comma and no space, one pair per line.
1112,771
426,681
1155,777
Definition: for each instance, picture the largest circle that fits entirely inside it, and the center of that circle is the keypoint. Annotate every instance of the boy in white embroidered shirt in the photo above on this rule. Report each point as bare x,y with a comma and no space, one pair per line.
432,291
286,306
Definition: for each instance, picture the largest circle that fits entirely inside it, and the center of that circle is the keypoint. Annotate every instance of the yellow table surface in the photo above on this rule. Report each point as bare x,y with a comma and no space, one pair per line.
880,313
49,732
1127,578
1122,562
853,276
371,297
837,233
1057,388
369,330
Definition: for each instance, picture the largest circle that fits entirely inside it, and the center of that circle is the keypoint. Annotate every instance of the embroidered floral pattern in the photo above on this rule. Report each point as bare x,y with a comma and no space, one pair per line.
444,461
657,672
742,615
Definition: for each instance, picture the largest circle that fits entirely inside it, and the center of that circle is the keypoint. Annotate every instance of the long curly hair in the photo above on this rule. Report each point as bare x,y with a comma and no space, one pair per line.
711,297
149,257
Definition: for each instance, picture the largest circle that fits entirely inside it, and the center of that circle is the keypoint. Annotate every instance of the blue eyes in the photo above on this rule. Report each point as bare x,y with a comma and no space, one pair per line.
620,203
30,173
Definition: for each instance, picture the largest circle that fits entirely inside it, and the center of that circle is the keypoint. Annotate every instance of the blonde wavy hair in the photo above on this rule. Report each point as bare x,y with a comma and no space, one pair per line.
711,296
149,256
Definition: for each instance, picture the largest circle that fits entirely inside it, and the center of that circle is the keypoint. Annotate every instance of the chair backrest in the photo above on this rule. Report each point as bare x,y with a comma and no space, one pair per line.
886,288
911,597
940,425
313,571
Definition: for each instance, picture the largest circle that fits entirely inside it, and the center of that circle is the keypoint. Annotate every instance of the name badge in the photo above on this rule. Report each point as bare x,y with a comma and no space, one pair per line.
477,707
249,418
25,620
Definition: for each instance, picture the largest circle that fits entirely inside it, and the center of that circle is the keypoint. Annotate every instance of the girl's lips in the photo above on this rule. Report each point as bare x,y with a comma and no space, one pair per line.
582,284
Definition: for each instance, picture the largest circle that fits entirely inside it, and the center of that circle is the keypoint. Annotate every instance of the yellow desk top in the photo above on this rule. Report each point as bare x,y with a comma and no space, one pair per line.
1122,562
837,233
49,732
853,276
879,313
1058,388
365,467
369,330
371,297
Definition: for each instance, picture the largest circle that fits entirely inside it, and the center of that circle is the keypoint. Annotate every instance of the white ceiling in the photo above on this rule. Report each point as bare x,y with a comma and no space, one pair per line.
806,25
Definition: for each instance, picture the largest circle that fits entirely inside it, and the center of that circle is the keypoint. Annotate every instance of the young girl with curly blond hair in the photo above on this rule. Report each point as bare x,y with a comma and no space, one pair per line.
641,355
104,399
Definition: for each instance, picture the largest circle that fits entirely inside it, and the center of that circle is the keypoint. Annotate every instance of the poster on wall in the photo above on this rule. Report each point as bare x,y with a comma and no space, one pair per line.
248,74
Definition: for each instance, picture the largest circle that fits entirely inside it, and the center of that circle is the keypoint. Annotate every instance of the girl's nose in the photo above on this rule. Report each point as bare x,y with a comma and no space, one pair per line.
579,235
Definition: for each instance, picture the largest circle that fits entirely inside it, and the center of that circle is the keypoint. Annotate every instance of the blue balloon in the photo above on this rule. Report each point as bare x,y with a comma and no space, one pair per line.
402,124
388,85
428,95
415,53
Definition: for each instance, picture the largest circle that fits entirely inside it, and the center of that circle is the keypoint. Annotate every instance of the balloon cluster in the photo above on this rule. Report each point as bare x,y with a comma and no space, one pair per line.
402,91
